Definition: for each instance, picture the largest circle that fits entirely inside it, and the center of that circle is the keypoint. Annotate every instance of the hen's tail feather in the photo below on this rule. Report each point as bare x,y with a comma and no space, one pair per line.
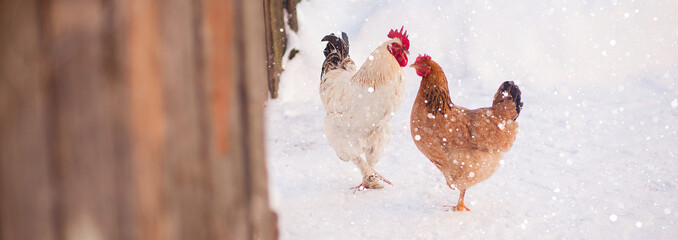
509,91
335,51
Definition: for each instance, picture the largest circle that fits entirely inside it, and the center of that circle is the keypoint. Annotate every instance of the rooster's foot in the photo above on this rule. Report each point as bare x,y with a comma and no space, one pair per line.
372,182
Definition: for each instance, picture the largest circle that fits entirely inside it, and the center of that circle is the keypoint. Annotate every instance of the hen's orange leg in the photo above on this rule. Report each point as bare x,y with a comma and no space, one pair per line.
460,204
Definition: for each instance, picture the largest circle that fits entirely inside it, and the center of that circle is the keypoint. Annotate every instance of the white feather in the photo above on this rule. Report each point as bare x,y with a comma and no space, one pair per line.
359,106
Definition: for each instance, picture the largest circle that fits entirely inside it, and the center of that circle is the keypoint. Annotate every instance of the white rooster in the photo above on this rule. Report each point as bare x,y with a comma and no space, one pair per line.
359,105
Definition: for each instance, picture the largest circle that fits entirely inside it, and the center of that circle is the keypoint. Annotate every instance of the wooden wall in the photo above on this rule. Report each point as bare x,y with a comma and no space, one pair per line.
133,119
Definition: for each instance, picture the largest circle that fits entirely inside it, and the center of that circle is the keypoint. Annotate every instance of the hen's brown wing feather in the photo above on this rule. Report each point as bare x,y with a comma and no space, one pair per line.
490,130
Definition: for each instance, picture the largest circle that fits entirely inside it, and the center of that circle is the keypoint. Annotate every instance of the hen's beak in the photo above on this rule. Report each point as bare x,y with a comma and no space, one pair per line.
414,66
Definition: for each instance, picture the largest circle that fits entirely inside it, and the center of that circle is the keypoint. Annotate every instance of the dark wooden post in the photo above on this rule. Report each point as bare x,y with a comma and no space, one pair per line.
133,119
291,7
275,42
276,38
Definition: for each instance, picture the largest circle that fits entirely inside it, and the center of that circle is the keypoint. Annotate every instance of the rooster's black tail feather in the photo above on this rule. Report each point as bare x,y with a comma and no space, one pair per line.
335,51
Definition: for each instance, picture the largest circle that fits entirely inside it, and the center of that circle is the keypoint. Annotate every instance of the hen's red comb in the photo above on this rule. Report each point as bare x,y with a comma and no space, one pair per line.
401,35
423,57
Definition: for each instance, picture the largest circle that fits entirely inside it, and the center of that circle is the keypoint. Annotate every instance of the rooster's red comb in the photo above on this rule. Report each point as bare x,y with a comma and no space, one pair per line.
423,57
402,35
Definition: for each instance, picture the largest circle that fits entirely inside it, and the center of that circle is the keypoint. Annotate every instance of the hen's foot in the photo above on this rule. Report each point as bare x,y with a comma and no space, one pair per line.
460,208
457,208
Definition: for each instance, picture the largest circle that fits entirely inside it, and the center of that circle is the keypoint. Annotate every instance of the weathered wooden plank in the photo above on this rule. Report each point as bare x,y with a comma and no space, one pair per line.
262,217
186,157
230,218
275,42
26,190
85,161
147,109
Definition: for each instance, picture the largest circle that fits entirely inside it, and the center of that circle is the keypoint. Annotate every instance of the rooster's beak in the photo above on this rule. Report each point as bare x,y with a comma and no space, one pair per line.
406,51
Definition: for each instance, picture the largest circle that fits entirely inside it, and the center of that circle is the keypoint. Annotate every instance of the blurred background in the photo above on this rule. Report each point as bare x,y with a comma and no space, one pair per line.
130,119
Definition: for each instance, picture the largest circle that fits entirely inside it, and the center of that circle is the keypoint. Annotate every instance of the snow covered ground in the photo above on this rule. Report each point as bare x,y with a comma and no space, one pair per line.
597,152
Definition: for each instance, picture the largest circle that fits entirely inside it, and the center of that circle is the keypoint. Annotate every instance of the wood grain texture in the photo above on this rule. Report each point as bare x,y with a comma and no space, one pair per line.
275,42
26,191
133,119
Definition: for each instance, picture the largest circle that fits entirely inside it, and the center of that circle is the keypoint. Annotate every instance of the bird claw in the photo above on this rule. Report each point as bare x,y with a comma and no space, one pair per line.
461,208
363,187
457,208
371,182
378,176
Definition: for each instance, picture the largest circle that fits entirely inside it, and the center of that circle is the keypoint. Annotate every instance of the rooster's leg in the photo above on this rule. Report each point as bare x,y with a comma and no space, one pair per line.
379,137
370,177
460,204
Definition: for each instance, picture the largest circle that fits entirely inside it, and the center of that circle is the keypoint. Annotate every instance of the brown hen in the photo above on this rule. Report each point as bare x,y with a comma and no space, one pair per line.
466,145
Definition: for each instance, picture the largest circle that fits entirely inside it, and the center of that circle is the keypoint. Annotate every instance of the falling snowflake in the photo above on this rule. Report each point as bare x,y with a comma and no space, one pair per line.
417,137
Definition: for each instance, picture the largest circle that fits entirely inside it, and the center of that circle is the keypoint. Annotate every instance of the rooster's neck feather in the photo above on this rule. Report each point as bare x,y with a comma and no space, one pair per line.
379,68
